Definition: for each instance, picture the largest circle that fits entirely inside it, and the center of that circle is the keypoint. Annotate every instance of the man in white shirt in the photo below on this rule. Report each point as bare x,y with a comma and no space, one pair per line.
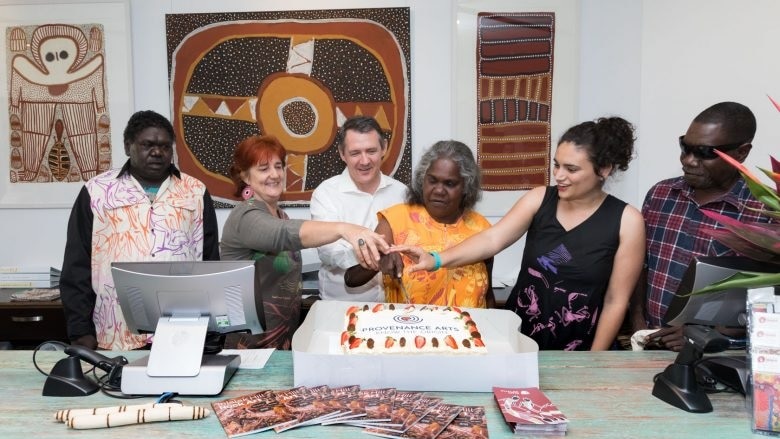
354,196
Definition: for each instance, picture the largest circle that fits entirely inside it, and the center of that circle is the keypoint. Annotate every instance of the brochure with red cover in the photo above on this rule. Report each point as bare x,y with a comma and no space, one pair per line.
529,410
251,413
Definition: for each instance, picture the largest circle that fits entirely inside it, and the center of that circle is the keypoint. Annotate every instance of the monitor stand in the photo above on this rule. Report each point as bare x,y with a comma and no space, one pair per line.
176,362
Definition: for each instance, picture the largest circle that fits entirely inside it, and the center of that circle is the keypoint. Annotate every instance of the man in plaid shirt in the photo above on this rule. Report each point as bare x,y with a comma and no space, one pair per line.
673,217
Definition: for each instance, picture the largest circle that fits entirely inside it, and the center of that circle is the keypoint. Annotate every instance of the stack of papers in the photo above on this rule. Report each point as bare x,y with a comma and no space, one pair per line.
29,276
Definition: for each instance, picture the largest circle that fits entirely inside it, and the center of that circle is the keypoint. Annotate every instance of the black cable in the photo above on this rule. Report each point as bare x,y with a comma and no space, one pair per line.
169,397
105,387
37,348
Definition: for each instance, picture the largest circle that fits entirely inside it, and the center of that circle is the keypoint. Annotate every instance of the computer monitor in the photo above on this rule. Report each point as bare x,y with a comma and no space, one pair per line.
719,308
222,290
180,302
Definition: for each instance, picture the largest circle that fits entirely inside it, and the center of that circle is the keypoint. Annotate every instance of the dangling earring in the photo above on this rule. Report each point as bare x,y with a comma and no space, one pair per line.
247,193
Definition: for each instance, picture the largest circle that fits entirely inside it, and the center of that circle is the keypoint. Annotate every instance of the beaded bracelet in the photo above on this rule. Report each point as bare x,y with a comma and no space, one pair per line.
437,260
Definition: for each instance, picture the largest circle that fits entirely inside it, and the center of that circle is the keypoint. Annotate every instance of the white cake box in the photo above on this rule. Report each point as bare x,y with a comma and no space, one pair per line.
511,361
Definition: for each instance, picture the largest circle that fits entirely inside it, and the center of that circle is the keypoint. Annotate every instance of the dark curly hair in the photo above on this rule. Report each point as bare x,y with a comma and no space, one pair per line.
144,119
462,156
607,140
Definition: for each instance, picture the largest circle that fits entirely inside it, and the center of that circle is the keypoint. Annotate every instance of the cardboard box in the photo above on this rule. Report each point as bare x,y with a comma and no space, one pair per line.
511,361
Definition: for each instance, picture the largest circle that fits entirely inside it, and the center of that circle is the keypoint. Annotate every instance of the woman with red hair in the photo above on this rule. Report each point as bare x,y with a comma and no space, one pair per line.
258,229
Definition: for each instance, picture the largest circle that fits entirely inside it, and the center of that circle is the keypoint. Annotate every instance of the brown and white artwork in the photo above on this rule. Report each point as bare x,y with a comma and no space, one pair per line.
58,114
296,75
514,97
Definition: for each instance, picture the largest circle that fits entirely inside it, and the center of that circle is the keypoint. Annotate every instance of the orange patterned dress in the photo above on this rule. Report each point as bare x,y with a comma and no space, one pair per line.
462,286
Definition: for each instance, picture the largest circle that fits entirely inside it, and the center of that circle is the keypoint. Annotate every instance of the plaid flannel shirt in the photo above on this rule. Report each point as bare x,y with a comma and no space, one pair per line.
673,221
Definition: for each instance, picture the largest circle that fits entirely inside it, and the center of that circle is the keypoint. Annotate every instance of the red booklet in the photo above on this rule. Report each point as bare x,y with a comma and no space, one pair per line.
529,410
251,413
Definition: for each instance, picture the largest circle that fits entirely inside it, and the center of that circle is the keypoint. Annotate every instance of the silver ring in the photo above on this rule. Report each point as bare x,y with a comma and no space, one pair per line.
361,242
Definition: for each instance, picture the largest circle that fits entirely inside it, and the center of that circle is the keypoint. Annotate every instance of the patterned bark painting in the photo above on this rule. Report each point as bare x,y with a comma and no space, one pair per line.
294,74
514,96
60,126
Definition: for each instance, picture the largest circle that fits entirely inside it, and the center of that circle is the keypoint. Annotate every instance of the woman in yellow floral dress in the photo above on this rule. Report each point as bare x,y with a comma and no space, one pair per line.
437,215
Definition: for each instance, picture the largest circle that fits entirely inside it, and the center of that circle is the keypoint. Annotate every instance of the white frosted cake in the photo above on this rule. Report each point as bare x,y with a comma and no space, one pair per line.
410,329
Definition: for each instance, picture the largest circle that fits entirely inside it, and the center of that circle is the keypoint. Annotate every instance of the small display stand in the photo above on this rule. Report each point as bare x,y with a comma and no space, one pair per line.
764,359
176,362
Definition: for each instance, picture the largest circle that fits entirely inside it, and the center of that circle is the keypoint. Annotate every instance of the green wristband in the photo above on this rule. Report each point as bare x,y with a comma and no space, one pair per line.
437,260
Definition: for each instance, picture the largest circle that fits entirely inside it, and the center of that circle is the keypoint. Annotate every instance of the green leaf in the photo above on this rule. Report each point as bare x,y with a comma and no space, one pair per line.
763,193
744,279
774,175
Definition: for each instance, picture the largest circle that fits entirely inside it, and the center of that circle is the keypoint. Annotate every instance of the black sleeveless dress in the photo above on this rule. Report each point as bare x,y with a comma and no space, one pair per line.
560,289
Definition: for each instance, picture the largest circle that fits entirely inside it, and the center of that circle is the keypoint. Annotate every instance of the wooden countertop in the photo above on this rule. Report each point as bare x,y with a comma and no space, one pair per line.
605,395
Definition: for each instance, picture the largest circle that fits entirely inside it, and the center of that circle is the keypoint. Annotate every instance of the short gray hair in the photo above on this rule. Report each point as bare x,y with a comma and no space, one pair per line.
462,156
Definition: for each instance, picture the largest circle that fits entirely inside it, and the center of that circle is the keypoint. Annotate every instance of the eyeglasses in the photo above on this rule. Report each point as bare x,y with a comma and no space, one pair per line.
704,152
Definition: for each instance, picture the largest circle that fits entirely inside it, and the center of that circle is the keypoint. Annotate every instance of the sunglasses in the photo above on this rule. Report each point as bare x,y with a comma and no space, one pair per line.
704,152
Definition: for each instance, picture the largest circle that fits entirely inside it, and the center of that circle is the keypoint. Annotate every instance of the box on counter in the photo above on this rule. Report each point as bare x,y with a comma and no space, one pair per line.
511,361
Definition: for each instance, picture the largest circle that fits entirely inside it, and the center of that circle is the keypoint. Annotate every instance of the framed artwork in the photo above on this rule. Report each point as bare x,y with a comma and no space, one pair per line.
509,106
296,75
514,98
66,96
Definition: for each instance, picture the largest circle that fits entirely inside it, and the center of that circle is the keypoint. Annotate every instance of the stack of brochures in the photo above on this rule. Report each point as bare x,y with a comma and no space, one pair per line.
381,412
29,276
528,411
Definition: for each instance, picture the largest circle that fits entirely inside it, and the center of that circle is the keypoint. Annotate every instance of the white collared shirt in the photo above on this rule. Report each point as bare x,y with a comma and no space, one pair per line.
339,199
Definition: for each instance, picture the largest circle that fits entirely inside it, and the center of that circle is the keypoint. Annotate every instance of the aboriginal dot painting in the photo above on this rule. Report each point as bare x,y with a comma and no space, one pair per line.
514,97
296,75
57,92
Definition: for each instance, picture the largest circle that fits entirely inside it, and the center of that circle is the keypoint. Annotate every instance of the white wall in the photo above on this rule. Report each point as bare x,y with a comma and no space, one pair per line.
655,62
730,53
610,79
